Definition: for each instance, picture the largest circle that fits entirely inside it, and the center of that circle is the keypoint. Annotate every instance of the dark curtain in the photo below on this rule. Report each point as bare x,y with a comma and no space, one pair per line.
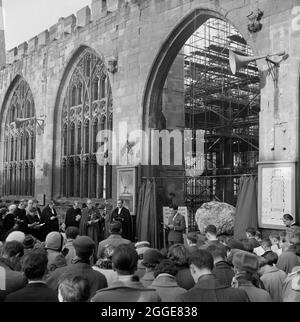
147,223
246,209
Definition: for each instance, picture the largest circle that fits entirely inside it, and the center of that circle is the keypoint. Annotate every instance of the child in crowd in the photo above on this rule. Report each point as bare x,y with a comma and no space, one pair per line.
275,240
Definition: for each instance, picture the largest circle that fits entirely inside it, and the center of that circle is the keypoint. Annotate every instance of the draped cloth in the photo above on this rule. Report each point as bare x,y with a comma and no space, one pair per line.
246,209
147,220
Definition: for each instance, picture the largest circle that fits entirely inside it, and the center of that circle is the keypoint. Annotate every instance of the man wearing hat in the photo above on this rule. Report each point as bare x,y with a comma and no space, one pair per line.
115,239
28,243
80,266
245,266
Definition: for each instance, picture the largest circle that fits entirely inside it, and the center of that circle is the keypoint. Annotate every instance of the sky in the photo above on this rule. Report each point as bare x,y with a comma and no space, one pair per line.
24,19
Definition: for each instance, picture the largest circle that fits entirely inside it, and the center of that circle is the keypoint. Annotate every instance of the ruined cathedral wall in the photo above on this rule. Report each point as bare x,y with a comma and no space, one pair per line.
135,31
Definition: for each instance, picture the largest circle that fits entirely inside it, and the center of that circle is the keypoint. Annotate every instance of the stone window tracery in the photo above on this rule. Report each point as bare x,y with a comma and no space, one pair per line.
84,109
19,143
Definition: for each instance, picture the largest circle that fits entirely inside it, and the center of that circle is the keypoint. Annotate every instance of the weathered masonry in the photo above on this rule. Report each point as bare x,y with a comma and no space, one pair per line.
122,60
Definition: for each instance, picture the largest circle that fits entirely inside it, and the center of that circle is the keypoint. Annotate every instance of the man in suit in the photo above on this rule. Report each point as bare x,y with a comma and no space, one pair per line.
49,219
122,215
176,227
208,288
35,269
73,216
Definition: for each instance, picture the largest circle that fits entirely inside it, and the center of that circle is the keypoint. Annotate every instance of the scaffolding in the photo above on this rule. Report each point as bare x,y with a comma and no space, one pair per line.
226,107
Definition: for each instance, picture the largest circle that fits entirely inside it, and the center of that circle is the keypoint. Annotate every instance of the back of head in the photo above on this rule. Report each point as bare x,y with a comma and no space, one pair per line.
54,241
235,244
192,237
13,249
125,259
74,289
34,265
202,259
84,247
152,257
217,252
211,229
166,266
178,254
115,227
105,260
72,232
29,242
271,258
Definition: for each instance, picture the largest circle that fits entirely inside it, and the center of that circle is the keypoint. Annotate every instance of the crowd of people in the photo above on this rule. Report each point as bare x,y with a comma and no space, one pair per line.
43,260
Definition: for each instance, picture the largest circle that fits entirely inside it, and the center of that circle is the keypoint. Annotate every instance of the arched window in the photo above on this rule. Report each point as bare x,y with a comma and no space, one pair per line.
90,114
19,143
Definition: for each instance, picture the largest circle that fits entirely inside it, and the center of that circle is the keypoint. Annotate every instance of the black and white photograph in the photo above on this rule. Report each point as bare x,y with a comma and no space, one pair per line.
149,155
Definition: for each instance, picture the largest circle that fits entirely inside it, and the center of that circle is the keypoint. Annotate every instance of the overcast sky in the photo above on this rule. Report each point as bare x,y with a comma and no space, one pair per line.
25,19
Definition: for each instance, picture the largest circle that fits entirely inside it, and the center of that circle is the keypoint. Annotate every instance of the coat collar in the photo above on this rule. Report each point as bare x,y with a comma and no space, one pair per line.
222,264
270,269
133,285
165,280
209,282
115,236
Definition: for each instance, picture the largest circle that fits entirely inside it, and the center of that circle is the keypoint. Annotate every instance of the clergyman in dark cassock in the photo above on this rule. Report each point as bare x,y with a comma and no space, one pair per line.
123,215
89,223
50,220
73,216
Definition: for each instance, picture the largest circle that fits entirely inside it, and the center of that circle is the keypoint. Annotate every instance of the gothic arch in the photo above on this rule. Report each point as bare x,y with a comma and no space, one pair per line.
18,153
78,106
166,56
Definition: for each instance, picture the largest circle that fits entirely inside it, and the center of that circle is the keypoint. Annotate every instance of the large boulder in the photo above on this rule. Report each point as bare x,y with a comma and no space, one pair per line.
218,214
